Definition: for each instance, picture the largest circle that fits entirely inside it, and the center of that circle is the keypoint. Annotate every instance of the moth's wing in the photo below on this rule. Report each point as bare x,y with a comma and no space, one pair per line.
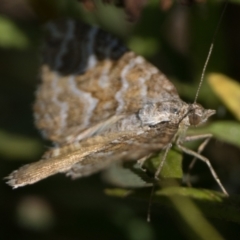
59,159
94,154
126,150
34,172
76,135
88,77
78,73
130,146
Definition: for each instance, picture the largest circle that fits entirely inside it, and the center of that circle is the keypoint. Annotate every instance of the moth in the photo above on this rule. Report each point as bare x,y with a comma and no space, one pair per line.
99,103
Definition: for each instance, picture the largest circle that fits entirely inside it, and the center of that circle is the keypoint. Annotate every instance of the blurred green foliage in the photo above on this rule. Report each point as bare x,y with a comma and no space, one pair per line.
176,41
11,35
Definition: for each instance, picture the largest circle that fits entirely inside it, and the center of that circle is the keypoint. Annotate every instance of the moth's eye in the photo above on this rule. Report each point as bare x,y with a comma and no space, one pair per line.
194,119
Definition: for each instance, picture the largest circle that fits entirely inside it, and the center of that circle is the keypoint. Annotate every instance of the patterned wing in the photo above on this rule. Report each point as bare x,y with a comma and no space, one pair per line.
96,153
88,78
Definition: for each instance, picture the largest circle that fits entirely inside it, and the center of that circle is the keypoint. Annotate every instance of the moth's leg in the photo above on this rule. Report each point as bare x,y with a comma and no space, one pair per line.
166,150
202,146
204,159
142,160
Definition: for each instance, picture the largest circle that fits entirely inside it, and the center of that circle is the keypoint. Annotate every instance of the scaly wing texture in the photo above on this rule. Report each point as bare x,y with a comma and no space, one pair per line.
94,154
88,77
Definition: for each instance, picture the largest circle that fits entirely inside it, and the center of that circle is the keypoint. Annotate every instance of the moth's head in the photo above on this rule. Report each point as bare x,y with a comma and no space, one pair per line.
198,115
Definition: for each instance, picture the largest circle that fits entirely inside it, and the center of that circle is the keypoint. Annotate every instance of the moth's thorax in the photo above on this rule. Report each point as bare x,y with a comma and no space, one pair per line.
171,110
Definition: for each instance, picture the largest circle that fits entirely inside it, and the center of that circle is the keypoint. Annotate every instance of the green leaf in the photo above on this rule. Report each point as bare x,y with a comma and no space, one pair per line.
227,131
129,175
18,147
172,167
144,46
11,36
228,90
210,203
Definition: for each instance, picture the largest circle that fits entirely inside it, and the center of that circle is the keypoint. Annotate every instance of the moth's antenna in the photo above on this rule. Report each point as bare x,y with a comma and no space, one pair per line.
210,50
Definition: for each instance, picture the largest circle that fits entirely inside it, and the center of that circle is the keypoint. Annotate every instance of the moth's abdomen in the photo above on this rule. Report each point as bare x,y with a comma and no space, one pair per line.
89,76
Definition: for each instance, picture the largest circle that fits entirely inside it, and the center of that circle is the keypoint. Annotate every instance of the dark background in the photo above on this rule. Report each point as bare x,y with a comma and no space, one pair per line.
174,38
